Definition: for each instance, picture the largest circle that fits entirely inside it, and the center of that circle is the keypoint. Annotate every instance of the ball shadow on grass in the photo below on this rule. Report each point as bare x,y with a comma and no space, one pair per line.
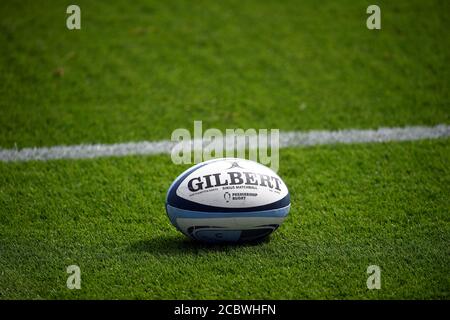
179,245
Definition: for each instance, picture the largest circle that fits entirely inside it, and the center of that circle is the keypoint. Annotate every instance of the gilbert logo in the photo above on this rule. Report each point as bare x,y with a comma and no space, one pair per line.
227,196
233,178
234,164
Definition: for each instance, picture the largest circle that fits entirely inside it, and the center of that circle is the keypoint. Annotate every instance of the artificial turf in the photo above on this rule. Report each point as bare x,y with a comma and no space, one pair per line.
352,206
138,70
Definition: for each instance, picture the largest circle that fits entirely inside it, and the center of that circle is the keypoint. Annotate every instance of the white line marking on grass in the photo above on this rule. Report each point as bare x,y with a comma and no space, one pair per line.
287,139
313,138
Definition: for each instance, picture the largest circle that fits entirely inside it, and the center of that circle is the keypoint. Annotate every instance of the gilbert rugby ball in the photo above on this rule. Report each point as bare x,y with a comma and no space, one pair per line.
227,200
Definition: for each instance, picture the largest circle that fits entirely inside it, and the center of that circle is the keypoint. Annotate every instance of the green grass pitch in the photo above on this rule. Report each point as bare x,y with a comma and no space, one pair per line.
138,70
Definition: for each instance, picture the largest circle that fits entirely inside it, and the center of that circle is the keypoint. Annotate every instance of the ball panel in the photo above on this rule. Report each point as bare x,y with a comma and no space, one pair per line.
215,235
175,201
213,227
228,185
233,183
176,213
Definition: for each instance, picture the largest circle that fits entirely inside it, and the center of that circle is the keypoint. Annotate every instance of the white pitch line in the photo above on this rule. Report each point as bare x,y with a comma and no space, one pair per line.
287,139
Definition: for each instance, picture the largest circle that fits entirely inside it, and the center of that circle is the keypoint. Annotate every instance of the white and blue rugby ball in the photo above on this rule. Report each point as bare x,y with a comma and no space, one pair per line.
228,200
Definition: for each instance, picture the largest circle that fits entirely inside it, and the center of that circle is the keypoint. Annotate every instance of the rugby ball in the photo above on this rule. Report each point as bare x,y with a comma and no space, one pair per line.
227,200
